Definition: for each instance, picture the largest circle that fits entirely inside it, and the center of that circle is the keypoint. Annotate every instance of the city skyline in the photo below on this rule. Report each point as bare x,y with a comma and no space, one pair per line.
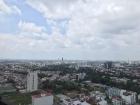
73,29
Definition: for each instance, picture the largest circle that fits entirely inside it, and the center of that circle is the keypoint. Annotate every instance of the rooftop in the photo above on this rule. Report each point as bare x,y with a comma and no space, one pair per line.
40,94
126,93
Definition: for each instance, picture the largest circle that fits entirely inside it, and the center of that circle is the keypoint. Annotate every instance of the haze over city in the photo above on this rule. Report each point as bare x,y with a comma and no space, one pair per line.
73,29
69,52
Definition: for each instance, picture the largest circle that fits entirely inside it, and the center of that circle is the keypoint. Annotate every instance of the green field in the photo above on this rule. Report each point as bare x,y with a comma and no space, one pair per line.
16,98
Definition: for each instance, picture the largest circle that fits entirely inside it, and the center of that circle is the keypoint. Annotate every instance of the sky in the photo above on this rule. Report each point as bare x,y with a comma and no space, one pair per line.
72,29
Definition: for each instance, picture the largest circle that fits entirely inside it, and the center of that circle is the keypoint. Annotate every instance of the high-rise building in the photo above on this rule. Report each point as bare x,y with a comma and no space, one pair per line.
108,65
32,81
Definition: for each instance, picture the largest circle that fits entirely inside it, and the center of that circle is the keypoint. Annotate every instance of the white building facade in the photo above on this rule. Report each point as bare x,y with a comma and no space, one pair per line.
129,98
32,81
113,92
42,99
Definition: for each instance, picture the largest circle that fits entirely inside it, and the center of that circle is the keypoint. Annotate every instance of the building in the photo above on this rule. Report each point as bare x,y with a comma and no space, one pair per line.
108,65
116,100
113,92
129,97
102,102
77,102
43,98
32,81
99,97
138,96
65,100
80,76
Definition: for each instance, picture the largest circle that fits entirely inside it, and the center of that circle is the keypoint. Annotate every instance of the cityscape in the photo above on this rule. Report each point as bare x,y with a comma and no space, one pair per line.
70,82
69,52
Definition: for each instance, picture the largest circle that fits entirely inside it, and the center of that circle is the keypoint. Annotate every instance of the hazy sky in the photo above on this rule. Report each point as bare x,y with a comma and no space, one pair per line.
73,29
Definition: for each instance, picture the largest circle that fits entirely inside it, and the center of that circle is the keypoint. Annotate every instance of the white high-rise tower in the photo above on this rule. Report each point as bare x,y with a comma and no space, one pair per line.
32,81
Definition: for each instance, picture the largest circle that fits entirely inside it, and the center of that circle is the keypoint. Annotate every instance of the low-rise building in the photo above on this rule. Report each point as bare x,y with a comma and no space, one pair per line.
102,102
43,98
129,97
113,92
117,100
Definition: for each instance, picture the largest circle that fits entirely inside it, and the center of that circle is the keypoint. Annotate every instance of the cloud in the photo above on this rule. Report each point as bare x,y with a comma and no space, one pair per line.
8,9
96,25
94,29
38,33
36,37
30,27
53,8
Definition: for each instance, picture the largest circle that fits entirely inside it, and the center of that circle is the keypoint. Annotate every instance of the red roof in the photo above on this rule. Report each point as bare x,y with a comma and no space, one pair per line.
42,94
